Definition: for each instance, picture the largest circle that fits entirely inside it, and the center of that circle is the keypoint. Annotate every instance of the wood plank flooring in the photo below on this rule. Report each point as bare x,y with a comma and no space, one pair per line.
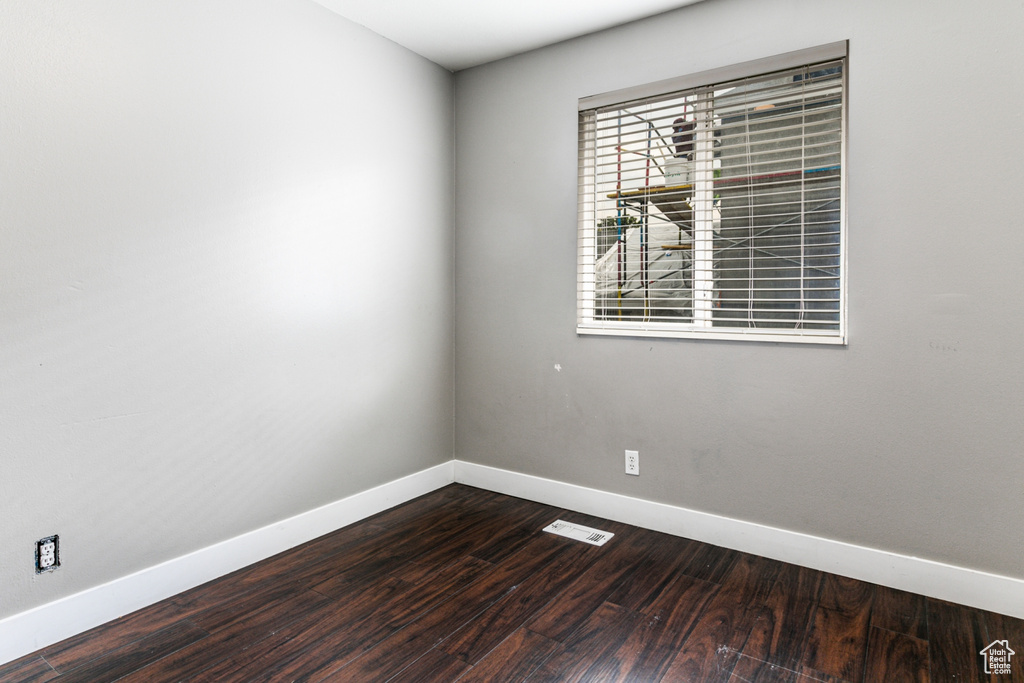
462,585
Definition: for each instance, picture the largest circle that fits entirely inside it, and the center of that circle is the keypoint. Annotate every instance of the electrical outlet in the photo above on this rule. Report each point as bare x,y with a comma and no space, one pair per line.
633,462
47,554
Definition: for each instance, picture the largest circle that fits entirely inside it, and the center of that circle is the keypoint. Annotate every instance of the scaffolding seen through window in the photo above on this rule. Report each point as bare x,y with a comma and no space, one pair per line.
716,210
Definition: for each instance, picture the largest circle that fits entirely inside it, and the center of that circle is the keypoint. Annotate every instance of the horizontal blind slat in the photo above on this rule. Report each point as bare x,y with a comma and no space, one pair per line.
771,222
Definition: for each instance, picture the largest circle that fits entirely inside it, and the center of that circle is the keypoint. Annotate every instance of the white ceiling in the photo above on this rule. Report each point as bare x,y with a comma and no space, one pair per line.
462,33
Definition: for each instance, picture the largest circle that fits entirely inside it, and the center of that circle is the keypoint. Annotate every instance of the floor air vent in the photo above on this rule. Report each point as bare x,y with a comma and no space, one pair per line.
579,532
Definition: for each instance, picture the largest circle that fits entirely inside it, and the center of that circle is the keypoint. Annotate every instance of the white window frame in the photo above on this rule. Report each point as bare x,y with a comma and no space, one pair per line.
588,323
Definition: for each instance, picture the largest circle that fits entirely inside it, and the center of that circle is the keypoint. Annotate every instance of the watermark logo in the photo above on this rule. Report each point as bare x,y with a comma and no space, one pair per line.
997,657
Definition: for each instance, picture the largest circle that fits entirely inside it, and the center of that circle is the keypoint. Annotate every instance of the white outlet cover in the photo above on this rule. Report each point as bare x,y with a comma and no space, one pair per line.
634,458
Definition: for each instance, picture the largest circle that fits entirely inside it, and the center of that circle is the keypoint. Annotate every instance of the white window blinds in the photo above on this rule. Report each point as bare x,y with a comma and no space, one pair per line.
717,210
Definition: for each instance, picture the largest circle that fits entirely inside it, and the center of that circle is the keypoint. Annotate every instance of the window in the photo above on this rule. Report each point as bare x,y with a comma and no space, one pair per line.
712,205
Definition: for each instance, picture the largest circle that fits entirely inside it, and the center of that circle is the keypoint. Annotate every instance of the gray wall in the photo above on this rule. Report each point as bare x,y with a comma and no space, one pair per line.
225,275
907,440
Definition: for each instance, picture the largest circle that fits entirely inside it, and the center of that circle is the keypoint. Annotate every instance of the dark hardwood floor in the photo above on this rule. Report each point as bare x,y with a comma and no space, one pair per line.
462,584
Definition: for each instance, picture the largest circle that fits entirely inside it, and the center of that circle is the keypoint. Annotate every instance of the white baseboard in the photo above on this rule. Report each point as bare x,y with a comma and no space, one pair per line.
33,629
991,592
